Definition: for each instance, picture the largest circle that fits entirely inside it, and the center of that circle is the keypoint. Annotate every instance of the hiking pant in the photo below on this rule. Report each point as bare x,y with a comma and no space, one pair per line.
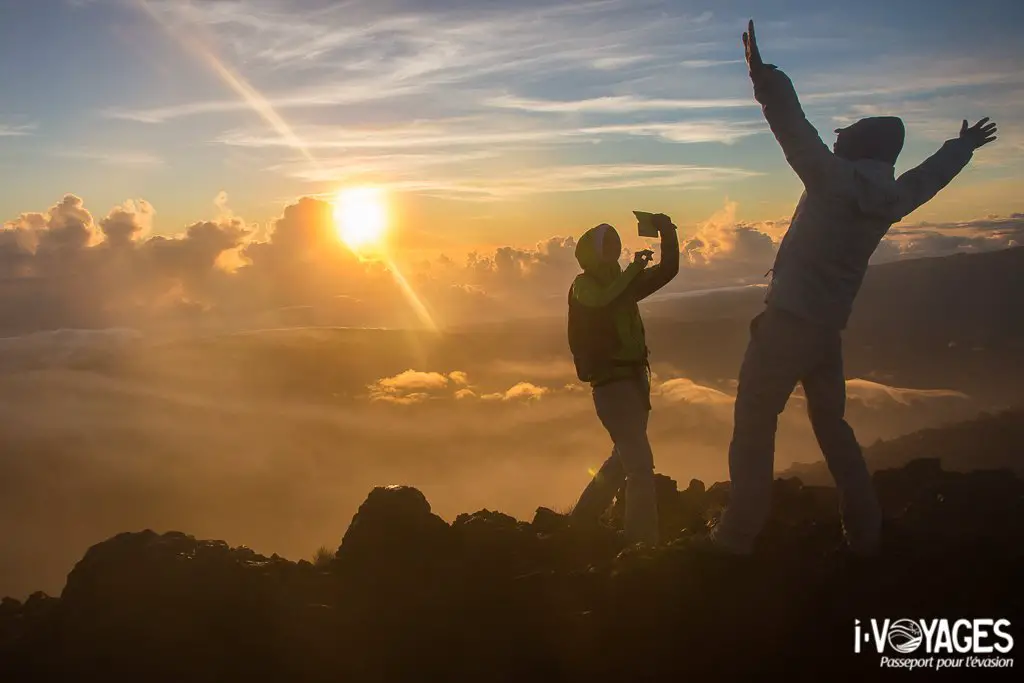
623,407
783,350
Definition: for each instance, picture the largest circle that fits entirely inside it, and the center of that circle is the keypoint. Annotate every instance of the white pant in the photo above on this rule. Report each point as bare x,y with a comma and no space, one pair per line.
784,350
623,407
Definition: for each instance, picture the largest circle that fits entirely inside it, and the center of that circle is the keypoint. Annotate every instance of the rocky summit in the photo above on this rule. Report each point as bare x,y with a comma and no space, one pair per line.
410,597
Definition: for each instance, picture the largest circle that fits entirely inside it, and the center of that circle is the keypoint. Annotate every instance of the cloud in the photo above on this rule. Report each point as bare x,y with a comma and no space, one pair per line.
484,156
411,379
406,50
438,141
473,74
725,132
113,157
491,185
682,390
64,268
708,63
875,395
525,391
495,86
871,395
981,234
725,252
123,225
413,386
10,130
65,348
618,104
606,177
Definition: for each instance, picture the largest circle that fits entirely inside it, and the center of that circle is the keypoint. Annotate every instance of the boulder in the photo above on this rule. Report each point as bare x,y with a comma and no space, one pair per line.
547,521
394,537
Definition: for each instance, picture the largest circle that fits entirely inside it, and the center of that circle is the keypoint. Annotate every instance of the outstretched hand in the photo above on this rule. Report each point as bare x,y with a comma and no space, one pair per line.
979,134
751,52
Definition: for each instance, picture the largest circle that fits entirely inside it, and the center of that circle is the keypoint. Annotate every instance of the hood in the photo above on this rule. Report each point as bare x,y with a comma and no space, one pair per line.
590,251
879,138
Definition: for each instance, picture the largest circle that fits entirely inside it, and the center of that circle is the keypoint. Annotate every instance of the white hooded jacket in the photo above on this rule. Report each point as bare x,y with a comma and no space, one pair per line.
845,210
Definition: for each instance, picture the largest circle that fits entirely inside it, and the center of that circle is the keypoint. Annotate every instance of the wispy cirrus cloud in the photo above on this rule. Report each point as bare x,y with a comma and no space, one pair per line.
303,98
484,131
403,173
617,104
12,130
112,157
463,100
372,54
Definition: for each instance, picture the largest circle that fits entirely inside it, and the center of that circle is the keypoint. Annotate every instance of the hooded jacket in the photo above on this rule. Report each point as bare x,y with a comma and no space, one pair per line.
848,204
605,288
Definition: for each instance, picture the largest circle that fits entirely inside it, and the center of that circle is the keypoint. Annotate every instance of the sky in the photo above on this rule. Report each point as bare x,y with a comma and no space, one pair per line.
491,125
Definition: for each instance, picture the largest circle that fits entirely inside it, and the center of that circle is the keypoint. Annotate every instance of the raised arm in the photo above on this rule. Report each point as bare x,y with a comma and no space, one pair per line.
656,277
812,160
920,184
591,293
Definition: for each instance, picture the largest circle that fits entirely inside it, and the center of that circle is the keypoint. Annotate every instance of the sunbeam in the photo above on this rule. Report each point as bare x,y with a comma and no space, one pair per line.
410,294
256,101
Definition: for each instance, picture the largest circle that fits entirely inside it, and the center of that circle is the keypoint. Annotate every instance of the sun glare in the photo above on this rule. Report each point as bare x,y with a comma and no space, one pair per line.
360,217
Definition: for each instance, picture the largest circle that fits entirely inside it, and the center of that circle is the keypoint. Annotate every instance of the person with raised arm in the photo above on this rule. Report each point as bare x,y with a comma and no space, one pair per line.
609,348
850,200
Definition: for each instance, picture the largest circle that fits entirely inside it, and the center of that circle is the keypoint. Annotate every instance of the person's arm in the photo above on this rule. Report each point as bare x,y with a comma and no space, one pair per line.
812,160
656,277
920,184
591,293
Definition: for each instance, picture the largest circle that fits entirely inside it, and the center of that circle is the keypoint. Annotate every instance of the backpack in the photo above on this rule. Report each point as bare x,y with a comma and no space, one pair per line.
593,339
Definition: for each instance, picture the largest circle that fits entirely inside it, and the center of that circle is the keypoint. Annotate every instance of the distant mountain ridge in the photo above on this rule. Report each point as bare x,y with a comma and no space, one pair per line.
950,322
989,442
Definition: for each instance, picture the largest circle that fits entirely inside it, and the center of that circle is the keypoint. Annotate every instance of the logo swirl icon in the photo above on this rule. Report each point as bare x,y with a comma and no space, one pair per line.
905,636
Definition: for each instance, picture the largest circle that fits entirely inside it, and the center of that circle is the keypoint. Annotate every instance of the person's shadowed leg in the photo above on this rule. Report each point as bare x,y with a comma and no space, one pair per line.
825,388
601,490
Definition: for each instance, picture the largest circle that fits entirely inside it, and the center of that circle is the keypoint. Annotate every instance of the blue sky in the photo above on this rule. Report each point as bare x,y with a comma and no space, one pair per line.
490,122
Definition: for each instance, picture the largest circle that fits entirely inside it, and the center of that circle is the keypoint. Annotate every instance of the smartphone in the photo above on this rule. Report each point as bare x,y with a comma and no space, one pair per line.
645,224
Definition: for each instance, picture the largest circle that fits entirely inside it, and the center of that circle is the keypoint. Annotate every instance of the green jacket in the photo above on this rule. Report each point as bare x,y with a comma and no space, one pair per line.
605,285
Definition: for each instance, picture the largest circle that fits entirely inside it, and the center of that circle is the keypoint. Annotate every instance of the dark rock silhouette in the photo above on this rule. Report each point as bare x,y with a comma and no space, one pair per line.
410,597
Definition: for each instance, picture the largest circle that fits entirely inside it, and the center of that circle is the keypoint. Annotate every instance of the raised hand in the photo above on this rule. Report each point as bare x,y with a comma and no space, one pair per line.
643,257
979,134
663,222
752,54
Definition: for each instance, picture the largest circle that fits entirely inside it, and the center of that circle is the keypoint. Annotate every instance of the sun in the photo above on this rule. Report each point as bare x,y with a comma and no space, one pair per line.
361,219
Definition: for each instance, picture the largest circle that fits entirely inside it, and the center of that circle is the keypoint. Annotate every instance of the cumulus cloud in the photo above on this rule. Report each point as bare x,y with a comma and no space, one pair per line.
981,234
723,251
63,267
414,386
525,390
124,224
